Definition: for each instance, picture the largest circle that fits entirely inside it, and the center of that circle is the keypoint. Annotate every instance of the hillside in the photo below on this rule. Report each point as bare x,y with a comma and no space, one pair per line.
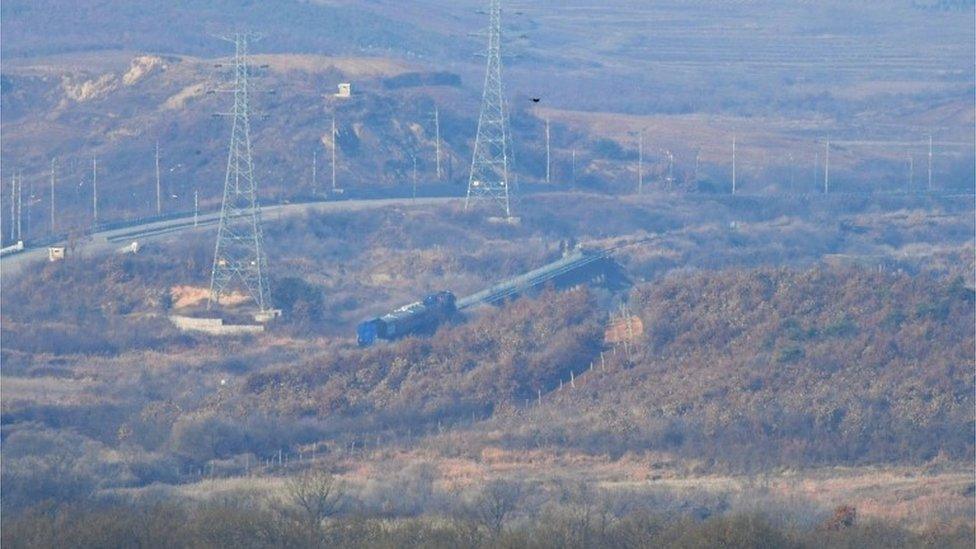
731,303
777,366
104,85
826,361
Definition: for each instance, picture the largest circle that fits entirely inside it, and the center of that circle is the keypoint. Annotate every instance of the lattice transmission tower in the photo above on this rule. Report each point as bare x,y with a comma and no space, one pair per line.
239,258
488,181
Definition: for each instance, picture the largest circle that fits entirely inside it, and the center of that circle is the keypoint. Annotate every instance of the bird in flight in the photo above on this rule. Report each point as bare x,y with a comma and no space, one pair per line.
536,99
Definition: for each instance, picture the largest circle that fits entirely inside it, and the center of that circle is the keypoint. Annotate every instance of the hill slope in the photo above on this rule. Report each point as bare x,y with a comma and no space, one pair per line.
782,366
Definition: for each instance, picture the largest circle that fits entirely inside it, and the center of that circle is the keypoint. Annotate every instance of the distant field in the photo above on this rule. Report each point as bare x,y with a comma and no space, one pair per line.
912,498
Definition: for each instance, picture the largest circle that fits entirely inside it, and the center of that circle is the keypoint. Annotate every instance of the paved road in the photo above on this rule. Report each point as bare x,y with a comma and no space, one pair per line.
111,240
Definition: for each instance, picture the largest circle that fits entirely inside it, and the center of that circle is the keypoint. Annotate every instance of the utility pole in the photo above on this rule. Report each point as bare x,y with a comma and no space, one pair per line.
827,167
789,159
159,200
333,154
670,179
816,169
697,163
548,155
315,184
640,163
20,200
911,172
488,181
437,141
52,196
414,176
13,207
94,191
733,164
574,166
930,163
30,201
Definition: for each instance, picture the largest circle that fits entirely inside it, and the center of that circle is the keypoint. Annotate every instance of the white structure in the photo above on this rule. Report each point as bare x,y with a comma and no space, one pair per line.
132,248
55,253
213,326
13,248
345,90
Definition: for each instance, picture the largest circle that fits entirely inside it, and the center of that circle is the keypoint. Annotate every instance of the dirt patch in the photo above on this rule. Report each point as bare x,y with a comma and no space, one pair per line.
185,297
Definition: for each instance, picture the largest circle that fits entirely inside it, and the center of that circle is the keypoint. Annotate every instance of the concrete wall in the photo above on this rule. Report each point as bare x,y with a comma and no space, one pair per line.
212,326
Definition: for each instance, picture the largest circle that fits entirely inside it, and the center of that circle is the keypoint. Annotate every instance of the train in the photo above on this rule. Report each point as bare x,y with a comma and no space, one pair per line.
576,266
419,318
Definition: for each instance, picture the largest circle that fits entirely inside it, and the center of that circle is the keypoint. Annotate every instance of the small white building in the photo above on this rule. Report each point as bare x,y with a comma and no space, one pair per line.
55,253
132,248
345,90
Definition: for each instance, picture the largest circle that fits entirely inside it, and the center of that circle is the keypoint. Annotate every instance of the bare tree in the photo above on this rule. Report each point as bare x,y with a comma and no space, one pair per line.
314,496
495,502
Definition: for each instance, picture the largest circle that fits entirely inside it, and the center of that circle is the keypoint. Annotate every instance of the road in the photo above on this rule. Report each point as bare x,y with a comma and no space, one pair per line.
110,240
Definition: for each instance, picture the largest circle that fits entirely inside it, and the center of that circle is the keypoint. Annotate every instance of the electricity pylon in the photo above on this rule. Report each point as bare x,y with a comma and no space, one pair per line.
640,163
239,258
488,181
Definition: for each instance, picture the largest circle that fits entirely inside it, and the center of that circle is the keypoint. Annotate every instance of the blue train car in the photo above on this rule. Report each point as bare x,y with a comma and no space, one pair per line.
421,317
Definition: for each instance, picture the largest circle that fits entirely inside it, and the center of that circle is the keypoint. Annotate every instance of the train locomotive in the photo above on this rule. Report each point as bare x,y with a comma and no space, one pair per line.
420,318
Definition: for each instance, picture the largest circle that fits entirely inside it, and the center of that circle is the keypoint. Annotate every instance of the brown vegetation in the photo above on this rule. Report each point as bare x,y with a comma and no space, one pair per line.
738,367
572,523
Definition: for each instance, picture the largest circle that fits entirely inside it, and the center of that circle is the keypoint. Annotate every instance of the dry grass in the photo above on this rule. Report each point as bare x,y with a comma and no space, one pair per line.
185,297
914,498
44,391
363,67
755,136
900,494
179,100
